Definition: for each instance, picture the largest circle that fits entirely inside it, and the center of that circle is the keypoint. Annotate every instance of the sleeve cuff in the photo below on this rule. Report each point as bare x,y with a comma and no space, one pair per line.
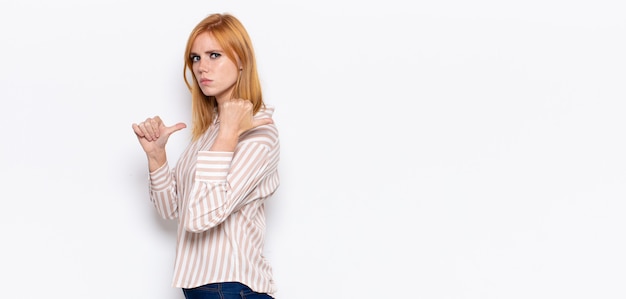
159,177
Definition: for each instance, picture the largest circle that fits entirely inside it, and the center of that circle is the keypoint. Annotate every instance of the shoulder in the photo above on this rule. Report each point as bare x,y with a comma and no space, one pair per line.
264,134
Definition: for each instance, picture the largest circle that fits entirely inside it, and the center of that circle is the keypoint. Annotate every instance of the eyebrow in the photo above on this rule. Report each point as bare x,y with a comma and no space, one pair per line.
207,52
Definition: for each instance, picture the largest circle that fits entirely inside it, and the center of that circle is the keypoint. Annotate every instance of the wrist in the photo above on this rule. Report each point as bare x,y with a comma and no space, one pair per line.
156,160
225,142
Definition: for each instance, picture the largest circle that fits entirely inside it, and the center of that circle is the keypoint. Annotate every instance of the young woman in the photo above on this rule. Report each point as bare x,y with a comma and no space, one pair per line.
219,186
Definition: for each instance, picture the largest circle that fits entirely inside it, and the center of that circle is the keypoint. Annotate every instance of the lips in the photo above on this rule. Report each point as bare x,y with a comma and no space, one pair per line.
205,81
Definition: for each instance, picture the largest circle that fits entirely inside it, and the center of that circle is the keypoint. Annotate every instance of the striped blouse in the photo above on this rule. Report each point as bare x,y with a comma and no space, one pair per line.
219,199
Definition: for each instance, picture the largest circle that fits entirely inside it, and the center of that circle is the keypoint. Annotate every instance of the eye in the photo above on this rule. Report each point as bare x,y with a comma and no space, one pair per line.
215,55
194,58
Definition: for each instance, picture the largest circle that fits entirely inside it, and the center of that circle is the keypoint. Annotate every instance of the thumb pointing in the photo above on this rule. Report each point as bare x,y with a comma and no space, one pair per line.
262,121
176,127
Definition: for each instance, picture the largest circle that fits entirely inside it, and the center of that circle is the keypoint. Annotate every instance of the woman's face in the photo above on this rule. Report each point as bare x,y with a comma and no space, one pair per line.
215,72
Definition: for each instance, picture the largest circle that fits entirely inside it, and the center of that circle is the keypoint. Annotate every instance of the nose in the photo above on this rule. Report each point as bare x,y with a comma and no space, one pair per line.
203,65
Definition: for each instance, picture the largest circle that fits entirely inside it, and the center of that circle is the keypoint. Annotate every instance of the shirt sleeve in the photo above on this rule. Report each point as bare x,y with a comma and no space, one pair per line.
226,181
163,192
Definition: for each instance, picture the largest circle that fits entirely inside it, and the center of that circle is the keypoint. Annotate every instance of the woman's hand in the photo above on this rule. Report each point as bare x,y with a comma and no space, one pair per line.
235,119
153,135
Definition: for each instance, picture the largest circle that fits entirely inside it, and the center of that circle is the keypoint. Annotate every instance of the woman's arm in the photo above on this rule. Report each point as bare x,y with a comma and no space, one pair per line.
226,181
152,135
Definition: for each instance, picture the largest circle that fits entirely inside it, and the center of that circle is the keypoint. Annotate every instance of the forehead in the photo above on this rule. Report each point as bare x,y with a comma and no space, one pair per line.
205,42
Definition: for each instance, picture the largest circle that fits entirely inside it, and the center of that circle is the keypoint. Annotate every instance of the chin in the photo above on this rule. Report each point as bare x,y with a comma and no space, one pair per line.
207,93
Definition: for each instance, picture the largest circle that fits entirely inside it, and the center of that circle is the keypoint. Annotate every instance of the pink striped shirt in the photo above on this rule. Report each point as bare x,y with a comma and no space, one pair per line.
219,199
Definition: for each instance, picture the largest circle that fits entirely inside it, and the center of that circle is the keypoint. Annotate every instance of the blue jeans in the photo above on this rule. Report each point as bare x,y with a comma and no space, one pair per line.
224,290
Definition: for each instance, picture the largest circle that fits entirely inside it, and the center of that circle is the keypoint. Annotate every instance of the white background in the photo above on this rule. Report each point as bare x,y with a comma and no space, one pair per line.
430,149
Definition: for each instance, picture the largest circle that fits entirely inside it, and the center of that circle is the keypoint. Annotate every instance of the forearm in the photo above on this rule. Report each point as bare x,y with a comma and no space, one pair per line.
223,183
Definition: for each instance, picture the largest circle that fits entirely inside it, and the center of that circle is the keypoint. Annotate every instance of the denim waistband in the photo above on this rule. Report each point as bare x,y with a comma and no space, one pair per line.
224,287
